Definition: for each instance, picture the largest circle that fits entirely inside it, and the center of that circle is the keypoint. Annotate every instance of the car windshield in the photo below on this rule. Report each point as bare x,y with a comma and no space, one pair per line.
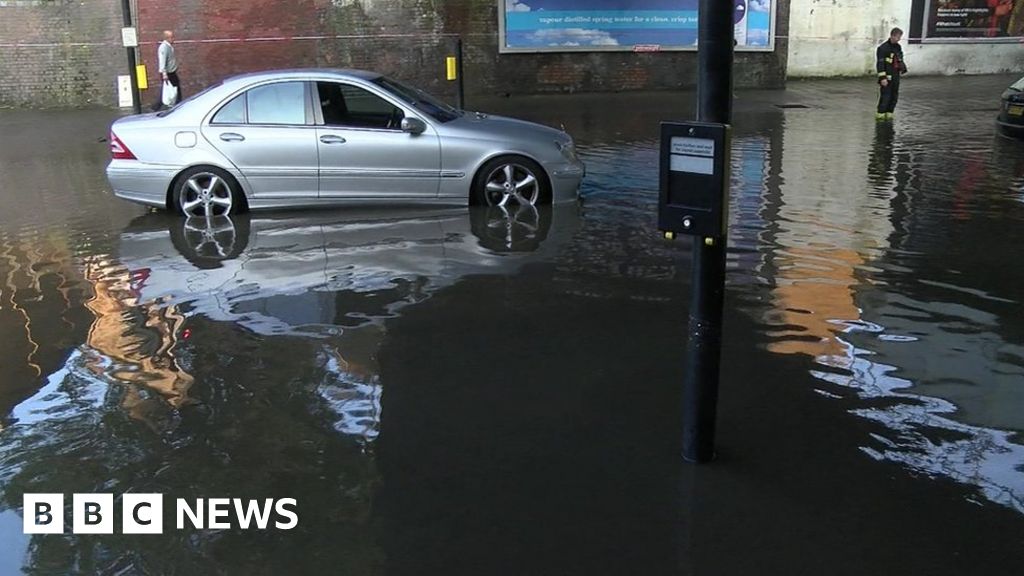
419,99
1018,85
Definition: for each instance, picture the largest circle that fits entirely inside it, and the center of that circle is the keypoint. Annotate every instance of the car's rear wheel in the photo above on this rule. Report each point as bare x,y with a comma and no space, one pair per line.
208,242
511,179
207,191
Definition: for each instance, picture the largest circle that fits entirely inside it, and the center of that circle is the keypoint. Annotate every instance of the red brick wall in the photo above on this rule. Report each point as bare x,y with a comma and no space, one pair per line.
60,52
218,38
213,39
66,52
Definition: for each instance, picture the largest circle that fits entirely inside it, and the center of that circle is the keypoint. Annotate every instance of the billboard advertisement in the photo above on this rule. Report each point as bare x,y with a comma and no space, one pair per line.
977,20
639,25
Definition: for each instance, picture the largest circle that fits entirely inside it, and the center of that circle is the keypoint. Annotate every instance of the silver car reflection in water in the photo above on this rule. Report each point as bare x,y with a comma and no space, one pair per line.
289,274
319,137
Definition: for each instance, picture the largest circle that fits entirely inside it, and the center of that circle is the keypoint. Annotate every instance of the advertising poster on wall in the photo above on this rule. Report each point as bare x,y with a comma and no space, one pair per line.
639,25
978,20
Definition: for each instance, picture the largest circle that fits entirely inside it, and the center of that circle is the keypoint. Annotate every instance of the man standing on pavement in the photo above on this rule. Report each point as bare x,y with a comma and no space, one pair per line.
889,65
168,67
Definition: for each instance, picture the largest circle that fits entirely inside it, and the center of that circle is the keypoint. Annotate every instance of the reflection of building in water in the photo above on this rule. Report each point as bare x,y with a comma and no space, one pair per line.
41,313
49,306
832,248
813,293
831,223
133,343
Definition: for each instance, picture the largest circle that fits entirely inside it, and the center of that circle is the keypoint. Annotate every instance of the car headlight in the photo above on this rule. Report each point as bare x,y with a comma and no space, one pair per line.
568,150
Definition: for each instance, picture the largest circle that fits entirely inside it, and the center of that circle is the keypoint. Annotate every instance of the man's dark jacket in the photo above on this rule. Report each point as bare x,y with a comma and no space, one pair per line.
889,62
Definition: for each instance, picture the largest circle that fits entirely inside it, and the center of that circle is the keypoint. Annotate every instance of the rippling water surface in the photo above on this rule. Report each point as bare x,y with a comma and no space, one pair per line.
467,391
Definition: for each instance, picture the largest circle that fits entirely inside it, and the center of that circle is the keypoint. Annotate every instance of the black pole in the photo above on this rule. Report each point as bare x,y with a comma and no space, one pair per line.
460,85
703,348
714,61
126,11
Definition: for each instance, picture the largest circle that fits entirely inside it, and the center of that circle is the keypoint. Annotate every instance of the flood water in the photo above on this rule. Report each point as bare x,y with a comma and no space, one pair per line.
472,392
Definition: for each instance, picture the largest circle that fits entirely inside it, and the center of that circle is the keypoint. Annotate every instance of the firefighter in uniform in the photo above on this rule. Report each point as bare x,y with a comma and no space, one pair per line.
889,65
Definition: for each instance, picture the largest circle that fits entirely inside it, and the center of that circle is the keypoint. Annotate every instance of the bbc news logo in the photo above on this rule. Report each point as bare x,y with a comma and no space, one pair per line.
144,514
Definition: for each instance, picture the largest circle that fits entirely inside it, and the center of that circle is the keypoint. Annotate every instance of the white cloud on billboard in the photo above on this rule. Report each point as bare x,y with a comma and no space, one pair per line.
757,37
573,37
516,6
760,5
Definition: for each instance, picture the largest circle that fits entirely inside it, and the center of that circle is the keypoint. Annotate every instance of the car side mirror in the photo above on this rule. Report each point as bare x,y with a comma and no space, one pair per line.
413,125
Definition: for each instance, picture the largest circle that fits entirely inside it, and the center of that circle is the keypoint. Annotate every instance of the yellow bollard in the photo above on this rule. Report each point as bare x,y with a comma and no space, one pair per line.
452,65
140,74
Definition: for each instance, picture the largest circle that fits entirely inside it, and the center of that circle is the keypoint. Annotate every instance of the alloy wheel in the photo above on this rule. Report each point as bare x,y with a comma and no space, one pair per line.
512,182
206,195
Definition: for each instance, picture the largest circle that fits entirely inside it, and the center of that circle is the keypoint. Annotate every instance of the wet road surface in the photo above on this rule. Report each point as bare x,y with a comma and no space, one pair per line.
473,392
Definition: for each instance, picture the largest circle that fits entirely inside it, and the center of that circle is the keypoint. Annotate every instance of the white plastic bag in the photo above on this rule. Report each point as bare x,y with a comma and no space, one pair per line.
170,93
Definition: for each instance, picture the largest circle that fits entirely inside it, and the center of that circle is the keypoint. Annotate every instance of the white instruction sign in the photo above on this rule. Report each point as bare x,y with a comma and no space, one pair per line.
693,155
129,38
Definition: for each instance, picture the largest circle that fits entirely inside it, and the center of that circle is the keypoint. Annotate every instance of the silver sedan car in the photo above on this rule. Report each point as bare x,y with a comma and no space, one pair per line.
325,137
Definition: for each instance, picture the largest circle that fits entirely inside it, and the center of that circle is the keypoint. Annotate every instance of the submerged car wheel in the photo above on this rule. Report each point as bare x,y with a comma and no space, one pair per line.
207,242
509,229
207,191
511,179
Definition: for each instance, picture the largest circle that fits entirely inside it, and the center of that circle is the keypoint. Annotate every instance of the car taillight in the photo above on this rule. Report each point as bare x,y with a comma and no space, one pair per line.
118,150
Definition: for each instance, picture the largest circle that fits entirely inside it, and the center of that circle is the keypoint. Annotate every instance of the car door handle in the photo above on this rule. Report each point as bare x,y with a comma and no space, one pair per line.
232,137
332,139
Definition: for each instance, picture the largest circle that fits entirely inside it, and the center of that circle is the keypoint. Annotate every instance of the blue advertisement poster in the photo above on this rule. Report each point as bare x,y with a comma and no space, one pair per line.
591,25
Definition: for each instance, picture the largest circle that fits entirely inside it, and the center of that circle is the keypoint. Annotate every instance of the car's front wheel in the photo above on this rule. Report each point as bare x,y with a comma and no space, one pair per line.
511,179
207,191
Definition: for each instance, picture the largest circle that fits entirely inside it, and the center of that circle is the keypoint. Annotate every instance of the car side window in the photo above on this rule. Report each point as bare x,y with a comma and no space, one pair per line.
280,103
231,113
354,107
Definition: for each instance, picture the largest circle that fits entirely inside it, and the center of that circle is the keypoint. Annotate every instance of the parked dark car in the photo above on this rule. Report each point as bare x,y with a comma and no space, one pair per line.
1011,117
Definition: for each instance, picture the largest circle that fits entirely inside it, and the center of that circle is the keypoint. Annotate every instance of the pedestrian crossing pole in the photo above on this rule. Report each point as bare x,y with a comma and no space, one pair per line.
453,73
126,12
704,345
